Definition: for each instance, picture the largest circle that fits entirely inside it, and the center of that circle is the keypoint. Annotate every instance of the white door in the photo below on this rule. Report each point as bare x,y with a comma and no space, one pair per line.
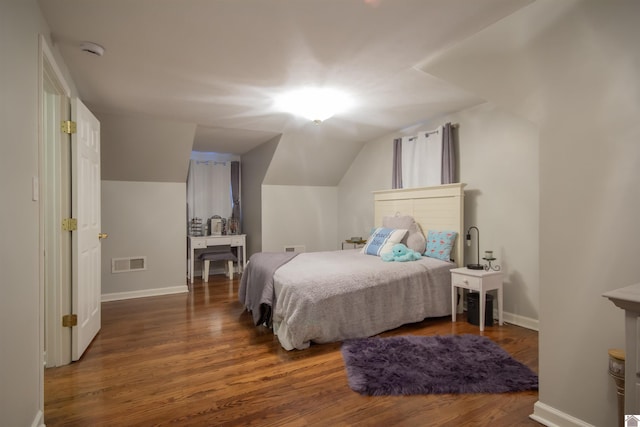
85,207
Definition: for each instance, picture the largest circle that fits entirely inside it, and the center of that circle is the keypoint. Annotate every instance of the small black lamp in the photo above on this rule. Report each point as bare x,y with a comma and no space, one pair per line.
476,266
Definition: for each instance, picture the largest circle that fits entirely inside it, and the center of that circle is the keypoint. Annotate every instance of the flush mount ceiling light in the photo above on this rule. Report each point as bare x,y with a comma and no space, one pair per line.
315,104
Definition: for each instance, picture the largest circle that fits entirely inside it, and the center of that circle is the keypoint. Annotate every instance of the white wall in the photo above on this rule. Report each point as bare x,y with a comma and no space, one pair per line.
144,219
135,147
21,342
370,171
590,200
580,75
313,155
498,156
498,160
299,215
255,164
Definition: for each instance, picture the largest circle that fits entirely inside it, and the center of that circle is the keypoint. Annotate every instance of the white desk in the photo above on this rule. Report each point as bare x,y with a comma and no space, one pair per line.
628,299
202,242
476,280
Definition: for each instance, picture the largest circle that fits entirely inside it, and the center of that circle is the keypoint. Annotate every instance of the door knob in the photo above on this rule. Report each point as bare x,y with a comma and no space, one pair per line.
102,235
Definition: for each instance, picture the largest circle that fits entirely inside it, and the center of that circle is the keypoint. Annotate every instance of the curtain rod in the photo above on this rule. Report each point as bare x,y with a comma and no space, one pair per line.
454,125
211,162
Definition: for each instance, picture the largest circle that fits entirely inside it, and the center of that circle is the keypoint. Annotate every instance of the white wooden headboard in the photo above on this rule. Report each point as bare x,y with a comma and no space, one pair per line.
439,207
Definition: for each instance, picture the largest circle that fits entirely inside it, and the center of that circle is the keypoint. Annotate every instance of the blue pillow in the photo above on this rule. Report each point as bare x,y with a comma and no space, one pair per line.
439,244
382,240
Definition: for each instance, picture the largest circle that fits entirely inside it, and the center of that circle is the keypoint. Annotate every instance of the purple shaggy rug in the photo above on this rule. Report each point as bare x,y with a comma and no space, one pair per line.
430,365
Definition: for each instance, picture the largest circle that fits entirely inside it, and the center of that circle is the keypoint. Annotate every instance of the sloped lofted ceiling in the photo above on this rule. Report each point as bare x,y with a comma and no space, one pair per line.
219,64
496,63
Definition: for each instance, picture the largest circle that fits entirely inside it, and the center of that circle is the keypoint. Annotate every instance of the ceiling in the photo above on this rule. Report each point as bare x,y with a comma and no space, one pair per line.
219,63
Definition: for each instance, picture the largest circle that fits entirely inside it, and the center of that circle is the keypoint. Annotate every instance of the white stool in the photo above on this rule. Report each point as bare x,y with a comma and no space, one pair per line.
217,256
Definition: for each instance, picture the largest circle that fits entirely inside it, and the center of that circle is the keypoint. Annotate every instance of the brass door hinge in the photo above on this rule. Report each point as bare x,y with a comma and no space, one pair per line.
69,224
68,126
69,320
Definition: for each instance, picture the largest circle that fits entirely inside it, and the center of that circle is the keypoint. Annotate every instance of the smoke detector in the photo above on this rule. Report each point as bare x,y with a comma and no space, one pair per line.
92,48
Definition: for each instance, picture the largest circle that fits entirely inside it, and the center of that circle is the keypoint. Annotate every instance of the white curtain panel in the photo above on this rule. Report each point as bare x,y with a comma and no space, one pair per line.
209,189
422,160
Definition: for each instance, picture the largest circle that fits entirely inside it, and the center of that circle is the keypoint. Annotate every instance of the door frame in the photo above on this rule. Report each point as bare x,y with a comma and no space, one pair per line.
54,249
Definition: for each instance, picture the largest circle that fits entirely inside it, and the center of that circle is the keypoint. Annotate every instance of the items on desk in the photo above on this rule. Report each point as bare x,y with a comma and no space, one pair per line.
195,227
233,226
219,226
216,225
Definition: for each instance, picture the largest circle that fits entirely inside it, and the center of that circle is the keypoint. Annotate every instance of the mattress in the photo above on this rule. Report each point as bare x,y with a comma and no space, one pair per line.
332,296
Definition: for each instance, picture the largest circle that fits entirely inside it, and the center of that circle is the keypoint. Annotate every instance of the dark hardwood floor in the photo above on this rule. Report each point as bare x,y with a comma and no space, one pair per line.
196,360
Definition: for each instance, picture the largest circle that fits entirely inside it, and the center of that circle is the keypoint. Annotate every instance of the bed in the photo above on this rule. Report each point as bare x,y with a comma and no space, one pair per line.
336,295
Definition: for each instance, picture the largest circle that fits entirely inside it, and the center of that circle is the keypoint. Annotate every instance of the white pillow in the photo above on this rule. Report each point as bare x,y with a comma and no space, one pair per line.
414,239
382,240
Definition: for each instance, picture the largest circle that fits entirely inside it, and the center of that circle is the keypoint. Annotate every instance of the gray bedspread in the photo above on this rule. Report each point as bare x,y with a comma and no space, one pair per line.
256,286
332,296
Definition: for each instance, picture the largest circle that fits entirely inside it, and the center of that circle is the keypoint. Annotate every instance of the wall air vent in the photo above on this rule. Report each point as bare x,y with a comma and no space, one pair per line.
295,248
123,265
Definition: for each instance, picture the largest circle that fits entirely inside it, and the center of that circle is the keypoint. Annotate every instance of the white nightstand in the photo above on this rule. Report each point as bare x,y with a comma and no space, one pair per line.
476,280
349,244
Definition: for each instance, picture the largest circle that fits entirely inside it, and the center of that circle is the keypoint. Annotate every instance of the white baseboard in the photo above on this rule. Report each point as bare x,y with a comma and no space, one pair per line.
116,296
525,322
551,417
514,319
38,420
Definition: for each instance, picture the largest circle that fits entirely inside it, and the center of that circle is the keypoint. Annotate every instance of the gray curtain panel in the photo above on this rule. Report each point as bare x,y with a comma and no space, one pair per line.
235,189
396,179
448,155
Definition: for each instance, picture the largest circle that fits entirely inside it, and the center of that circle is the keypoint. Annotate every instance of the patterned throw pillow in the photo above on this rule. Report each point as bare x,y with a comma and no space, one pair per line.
382,240
440,243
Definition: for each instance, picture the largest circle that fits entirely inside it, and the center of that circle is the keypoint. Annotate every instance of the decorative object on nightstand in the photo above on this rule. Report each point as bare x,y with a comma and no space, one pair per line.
488,256
477,265
353,243
479,281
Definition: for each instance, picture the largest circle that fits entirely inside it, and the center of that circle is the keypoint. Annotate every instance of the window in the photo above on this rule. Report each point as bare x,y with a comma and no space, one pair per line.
209,187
